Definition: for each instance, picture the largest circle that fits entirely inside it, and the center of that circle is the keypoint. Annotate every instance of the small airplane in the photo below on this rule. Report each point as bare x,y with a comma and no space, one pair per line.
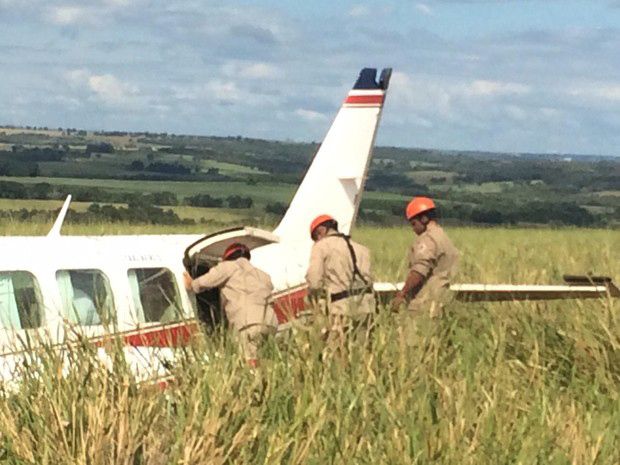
58,288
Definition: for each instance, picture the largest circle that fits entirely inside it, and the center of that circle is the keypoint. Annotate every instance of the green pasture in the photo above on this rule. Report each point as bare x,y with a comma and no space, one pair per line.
426,176
505,255
487,384
489,255
230,169
83,167
507,383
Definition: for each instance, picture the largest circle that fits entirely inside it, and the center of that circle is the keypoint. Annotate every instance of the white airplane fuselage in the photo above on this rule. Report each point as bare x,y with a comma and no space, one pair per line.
114,258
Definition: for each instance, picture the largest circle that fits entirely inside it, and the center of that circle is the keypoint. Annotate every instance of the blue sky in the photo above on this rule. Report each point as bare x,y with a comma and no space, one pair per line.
515,76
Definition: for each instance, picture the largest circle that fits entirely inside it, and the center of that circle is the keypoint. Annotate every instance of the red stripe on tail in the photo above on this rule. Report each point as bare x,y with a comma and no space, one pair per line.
365,99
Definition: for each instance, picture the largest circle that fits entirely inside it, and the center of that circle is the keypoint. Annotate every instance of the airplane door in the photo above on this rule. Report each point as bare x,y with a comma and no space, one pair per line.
205,253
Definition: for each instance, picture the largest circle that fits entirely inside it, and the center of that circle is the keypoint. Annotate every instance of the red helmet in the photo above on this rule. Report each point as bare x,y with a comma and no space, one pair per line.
234,247
318,221
419,205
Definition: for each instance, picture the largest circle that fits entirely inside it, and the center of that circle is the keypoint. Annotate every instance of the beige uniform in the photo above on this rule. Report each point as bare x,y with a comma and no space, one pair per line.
331,269
245,292
435,258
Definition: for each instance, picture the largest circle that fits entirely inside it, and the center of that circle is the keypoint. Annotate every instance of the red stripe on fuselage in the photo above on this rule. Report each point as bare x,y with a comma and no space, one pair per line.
173,336
288,306
364,99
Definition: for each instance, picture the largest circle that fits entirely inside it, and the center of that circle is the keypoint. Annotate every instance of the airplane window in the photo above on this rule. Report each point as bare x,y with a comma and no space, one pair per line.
86,296
155,295
20,301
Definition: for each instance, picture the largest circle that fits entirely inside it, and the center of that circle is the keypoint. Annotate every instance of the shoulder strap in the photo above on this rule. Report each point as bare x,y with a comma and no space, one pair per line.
356,270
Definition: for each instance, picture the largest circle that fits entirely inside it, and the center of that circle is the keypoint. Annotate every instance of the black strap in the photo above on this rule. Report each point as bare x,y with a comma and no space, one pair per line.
344,294
356,270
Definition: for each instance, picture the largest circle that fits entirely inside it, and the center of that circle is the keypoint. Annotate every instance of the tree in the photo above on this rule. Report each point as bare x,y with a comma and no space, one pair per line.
277,208
204,200
136,165
236,201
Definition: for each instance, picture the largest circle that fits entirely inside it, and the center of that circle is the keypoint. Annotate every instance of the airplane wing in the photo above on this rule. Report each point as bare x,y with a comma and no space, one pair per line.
576,287
335,180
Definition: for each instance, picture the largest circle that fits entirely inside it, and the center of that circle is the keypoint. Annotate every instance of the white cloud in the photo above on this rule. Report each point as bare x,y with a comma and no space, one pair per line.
77,77
110,89
359,10
491,88
224,91
516,112
424,9
94,13
549,113
609,92
435,102
220,90
66,15
121,3
105,87
249,70
309,115
428,95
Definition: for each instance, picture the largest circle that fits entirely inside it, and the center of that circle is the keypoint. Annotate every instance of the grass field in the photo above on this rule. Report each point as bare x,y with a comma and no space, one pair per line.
508,383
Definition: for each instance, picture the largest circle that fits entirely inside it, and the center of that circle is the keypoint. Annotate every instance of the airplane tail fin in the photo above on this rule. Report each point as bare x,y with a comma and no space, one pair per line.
335,180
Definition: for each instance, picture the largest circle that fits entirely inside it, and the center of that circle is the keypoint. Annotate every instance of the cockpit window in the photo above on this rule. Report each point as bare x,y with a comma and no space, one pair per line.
20,301
86,297
155,295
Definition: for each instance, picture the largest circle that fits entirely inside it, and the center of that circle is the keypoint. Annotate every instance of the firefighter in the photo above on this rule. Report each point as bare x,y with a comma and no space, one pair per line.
339,269
432,262
245,292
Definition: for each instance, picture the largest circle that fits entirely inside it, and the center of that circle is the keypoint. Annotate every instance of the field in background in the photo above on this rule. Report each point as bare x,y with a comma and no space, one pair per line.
513,255
262,193
490,383
198,214
471,188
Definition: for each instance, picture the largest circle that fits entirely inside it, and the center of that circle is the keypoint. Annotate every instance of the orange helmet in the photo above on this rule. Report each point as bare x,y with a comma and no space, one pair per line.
318,221
419,205
234,247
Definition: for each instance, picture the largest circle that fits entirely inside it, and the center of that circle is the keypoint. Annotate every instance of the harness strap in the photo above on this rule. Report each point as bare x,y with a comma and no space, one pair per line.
356,270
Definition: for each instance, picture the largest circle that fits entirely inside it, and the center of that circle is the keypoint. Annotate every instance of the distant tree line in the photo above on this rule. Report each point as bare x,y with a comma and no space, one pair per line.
536,212
46,191
133,214
160,167
232,201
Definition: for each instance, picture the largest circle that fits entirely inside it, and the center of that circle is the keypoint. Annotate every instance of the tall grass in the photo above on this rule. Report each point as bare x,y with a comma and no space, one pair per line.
489,383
